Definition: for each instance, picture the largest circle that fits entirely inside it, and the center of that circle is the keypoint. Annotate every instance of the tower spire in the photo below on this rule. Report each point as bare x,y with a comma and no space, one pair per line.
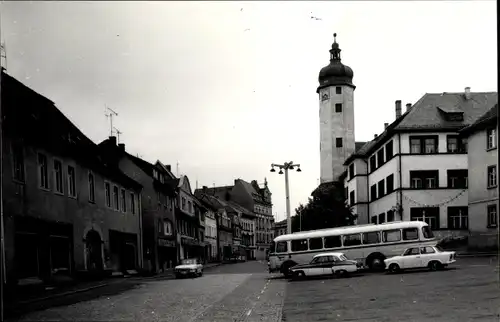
335,51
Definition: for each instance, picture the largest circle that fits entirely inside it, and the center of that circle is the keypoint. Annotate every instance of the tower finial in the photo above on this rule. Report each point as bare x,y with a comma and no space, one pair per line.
335,37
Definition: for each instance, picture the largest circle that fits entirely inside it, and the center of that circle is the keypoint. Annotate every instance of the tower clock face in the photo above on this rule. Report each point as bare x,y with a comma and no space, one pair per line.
325,96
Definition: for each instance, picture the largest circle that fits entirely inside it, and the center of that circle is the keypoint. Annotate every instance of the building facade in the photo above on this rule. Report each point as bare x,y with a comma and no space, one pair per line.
58,219
280,228
211,234
417,169
482,138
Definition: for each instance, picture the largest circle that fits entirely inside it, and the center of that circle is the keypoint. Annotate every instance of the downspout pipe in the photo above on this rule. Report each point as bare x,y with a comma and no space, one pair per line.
400,208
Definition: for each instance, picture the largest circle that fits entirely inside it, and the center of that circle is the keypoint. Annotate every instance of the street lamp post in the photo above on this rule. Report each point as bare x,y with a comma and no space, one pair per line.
286,166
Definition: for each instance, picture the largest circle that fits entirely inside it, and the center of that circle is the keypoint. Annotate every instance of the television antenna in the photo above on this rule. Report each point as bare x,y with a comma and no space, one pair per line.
110,113
3,54
118,132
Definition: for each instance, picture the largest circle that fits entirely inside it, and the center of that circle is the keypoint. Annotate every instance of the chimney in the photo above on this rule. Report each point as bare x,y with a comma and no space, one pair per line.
467,93
112,140
169,167
121,146
408,107
398,109
386,125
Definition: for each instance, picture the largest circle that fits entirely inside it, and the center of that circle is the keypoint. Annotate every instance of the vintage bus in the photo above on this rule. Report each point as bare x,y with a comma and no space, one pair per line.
369,244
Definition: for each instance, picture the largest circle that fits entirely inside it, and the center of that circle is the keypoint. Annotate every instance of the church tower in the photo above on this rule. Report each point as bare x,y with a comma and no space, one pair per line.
336,115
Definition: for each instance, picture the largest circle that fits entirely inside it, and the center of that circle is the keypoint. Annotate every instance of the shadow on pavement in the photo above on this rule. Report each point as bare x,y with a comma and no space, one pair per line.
315,278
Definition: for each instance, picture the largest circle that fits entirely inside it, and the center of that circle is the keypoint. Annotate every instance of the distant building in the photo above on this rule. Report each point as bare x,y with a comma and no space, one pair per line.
482,138
280,228
417,168
59,219
210,231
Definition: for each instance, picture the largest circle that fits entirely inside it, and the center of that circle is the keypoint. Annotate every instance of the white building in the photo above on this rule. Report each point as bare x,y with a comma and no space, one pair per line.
211,235
417,168
483,182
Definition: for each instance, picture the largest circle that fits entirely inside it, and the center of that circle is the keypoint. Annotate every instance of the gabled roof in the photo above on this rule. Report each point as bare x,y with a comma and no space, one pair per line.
216,191
358,146
427,115
36,121
240,209
487,119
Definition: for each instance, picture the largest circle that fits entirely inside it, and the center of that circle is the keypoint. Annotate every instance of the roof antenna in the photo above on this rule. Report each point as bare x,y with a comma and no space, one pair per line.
118,132
110,113
3,54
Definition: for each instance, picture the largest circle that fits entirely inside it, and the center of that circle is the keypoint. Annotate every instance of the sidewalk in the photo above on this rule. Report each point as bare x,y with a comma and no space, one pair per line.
22,296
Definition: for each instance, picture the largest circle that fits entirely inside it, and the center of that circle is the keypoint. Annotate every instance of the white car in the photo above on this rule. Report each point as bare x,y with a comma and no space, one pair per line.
326,264
432,257
189,268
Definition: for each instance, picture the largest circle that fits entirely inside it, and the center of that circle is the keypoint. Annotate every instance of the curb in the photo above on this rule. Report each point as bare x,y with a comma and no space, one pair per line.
62,294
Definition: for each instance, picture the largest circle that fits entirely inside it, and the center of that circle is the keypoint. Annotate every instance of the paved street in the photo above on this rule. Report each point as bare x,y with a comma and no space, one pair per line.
246,292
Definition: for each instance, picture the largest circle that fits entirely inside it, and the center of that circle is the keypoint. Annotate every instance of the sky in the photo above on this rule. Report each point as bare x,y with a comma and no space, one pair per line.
224,89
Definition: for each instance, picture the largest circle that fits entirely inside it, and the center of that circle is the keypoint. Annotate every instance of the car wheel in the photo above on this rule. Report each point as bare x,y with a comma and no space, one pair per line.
394,268
376,263
341,273
434,265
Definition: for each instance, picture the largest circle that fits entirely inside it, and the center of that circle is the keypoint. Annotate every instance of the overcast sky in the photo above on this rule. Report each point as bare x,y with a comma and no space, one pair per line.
227,88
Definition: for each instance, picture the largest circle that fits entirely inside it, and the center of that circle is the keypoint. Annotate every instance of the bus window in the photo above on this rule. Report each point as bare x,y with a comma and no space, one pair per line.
315,243
333,242
371,238
410,233
299,245
281,247
391,236
427,232
352,240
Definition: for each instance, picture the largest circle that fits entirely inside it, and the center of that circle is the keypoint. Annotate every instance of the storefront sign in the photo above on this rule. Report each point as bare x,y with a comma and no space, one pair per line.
166,243
189,241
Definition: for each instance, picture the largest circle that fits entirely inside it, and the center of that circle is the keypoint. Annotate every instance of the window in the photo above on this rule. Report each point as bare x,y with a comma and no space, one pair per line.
183,203
430,215
381,218
352,240
124,200
390,216
373,192
333,242
412,251
338,142
380,158
424,144
299,245
351,198
492,216
107,191
457,179
167,228
43,178
390,236
424,179
132,203
71,181
190,206
427,232
492,176
338,107
373,163
427,250
410,234
455,144
116,198
371,238
381,188
91,187
390,183
18,162
374,220
351,171
389,151
338,90
346,193
458,217
315,243
58,176
491,139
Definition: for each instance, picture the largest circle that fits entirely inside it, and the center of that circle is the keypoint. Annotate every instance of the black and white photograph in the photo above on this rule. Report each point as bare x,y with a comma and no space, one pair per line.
249,161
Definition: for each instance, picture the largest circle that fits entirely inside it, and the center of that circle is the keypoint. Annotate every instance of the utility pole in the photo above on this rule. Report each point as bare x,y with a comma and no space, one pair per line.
287,166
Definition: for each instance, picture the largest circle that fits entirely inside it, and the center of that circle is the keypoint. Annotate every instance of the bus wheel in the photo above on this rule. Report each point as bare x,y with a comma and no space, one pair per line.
376,262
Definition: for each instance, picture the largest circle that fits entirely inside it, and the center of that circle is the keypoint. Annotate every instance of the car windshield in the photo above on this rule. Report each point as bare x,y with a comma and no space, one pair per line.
439,249
190,261
343,258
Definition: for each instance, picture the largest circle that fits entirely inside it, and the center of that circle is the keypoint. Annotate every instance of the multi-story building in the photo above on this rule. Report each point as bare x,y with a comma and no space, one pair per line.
157,203
57,214
417,169
257,200
210,232
245,247
280,228
482,138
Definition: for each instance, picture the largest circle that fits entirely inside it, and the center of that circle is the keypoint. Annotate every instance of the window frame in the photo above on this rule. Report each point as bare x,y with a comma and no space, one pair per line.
71,194
91,186
338,239
338,107
345,238
423,144
495,175
462,180
107,188
123,200
423,176
315,238
380,157
132,202
389,150
337,140
460,146
381,188
351,171
390,187
463,212
43,171
491,223
18,147
433,214
116,197
338,90
61,174
300,242
373,192
491,134
352,198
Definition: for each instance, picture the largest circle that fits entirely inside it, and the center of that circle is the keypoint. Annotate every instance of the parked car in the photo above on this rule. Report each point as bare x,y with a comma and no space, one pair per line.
189,268
432,257
326,264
